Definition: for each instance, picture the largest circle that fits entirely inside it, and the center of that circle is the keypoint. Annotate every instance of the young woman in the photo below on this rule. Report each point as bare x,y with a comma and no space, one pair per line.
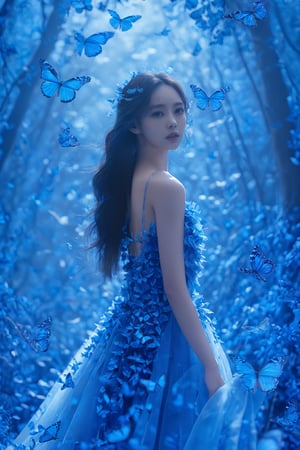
153,376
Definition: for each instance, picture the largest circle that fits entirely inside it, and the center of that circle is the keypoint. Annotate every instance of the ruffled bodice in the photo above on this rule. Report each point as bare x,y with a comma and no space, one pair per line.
143,277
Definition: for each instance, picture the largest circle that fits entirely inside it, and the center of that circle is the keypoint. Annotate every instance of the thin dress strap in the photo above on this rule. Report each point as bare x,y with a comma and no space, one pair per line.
144,200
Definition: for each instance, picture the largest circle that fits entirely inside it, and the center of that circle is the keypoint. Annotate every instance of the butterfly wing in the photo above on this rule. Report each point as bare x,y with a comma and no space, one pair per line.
249,17
248,373
200,96
259,10
260,265
37,338
66,139
246,17
41,335
93,44
50,79
67,89
256,259
202,99
127,22
215,100
80,41
50,433
268,376
115,20
250,20
266,268
69,383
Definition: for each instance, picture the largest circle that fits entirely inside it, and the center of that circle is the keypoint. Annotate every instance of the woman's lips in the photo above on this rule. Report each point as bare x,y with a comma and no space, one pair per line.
173,136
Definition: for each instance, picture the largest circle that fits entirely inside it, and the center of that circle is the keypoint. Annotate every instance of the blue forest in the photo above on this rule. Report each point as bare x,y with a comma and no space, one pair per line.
63,64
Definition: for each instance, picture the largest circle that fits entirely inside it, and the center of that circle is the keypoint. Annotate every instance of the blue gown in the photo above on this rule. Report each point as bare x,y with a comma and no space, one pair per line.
136,383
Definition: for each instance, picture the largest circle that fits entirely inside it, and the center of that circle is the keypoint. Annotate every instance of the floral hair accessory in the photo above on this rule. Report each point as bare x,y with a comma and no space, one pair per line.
127,95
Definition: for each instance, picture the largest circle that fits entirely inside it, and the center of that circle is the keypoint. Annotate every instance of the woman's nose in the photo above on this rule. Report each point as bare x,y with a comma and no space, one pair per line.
172,121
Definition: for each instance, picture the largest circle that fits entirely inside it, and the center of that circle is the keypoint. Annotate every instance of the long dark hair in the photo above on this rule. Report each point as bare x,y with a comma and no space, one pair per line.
112,181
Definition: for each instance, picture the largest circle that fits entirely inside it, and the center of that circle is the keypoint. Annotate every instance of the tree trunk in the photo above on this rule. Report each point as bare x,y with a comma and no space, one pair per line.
25,95
277,112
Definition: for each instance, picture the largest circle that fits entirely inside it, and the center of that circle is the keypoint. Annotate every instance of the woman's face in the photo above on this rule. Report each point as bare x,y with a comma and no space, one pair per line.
163,123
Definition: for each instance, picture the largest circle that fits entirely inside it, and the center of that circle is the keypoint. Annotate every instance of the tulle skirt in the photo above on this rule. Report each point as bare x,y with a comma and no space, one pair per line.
176,412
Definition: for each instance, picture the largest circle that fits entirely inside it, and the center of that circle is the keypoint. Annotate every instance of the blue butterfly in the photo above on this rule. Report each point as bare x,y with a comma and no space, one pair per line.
123,24
38,337
250,17
69,383
203,101
81,5
66,139
66,90
92,45
50,433
260,265
266,378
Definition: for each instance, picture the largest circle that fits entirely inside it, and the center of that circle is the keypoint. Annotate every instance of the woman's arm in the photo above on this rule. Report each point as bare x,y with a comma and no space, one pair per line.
168,200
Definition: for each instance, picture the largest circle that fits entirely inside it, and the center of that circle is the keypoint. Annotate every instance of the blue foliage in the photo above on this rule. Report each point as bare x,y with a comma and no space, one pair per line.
227,164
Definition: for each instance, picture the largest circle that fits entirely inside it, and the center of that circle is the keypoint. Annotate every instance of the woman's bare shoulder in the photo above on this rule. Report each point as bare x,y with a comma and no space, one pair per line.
166,190
164,181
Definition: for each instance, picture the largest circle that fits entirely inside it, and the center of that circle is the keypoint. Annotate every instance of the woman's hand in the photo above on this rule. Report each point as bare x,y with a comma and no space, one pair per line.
213,379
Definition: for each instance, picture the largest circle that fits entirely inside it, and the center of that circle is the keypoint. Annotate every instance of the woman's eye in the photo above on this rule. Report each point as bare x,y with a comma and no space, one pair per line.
180,111
157,114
